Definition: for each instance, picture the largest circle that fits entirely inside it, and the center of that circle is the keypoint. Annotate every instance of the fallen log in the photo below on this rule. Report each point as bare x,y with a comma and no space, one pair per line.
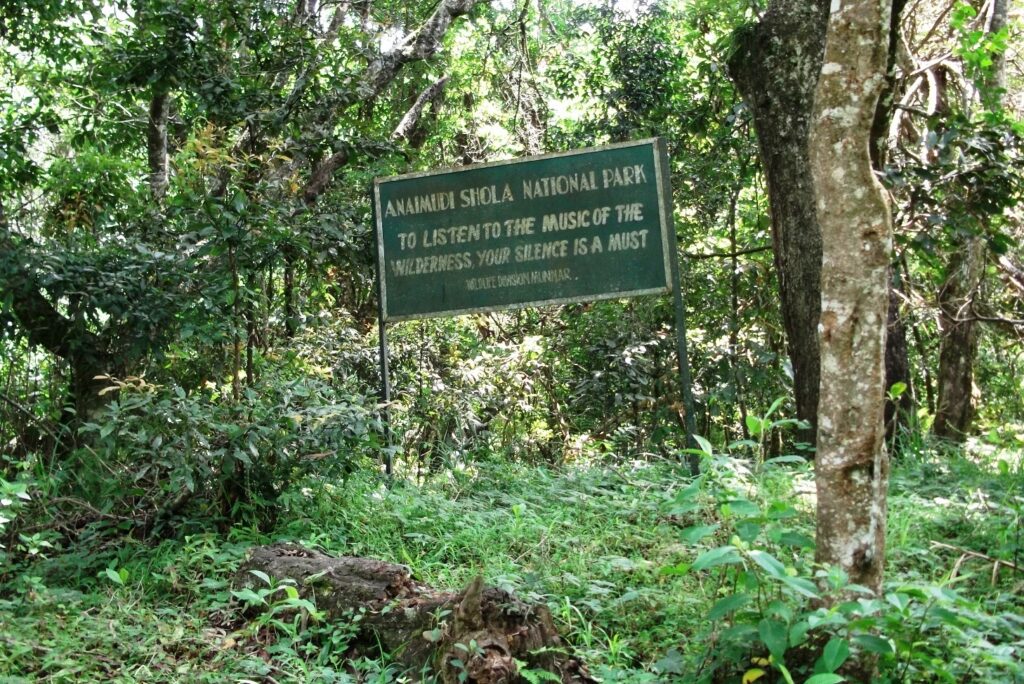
480,635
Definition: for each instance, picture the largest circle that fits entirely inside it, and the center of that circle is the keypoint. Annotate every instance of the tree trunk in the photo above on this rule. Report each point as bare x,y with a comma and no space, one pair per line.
959,344
897,370
43,325
851,469
291,315
897,359
156,144
411,128
775,68
474,636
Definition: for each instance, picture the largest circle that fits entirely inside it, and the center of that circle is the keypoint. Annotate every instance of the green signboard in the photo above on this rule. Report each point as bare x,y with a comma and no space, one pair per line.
577,226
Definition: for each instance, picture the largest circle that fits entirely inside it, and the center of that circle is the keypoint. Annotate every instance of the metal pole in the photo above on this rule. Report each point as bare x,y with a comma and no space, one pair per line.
385,392
685,381
385,374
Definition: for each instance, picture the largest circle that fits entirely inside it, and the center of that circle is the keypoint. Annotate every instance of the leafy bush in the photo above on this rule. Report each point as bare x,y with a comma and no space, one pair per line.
159,449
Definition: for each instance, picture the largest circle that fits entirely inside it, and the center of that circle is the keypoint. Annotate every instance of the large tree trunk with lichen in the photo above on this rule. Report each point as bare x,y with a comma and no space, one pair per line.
775,67
479,635
851,469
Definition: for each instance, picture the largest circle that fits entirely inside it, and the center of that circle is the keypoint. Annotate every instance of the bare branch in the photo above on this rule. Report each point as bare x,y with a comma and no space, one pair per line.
431,95
1014,274
323,173
422,43
33,418
728,255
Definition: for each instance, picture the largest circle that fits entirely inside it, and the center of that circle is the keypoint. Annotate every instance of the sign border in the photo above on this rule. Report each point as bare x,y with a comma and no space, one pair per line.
668,242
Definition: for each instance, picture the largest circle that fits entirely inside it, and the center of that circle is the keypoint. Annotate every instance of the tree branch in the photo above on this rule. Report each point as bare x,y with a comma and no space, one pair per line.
422,43
25,411
728,255
431,95
323,173
43,324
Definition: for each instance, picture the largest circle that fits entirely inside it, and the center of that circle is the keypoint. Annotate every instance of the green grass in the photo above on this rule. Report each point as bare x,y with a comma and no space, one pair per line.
591,542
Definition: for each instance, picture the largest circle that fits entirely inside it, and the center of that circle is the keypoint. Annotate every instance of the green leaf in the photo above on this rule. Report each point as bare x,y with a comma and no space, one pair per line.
743,507
238,202
775,405
262,576
873,644
727,605
775,636
722,555
897,390
802,586
835,654
769,563
791,458
672,663
798,633
683,508
826,678
748,530
797,539
705,445
114,576
249,596
694,534
755,425
301,604
537,676
739,633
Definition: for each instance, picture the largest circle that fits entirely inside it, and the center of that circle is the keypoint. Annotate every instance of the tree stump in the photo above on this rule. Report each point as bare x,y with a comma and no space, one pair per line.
476,635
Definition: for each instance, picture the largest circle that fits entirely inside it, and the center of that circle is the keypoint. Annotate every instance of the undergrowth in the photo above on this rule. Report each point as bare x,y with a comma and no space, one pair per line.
651,575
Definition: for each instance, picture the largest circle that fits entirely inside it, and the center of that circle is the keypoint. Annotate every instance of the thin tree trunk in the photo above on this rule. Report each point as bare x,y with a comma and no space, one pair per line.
156,146
734,317
922,349
291,321
959,345
250,328
236,344
775,68
851,469
897,370
897,361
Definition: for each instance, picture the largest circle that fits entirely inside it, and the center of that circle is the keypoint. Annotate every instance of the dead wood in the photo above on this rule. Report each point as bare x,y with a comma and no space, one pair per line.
481,631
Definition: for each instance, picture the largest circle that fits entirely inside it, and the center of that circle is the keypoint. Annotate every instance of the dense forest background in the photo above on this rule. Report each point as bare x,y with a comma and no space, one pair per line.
189,362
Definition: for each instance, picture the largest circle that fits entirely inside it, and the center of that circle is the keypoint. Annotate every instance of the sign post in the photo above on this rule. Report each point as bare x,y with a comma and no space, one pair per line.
559,228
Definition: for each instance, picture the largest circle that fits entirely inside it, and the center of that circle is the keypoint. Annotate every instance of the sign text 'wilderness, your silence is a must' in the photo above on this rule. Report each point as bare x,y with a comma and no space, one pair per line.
559,228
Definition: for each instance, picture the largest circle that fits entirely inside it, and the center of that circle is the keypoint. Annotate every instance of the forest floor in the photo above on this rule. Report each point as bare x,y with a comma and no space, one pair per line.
650,575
